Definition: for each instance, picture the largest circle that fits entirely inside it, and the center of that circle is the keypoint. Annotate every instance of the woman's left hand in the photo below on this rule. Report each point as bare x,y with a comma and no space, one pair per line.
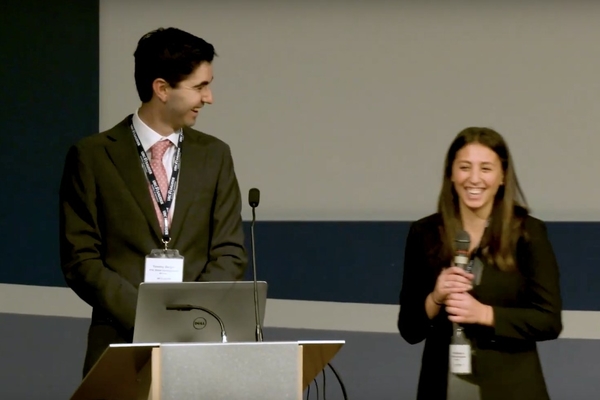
463,308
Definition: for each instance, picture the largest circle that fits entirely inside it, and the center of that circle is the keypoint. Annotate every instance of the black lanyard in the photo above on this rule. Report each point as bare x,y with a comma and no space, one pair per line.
163,205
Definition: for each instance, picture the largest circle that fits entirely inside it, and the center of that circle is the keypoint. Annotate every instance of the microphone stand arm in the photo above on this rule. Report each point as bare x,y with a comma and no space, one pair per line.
258,333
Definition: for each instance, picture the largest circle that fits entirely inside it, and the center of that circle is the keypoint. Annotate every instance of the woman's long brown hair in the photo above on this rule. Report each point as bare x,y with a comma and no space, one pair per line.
509,209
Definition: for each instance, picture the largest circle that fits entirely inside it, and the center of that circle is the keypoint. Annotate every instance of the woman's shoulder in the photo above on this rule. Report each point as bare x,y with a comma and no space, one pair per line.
426,236
430,221
431,224
427,228
532,228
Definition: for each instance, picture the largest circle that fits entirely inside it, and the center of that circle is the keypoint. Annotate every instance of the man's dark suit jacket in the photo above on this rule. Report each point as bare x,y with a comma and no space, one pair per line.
108,225
527,308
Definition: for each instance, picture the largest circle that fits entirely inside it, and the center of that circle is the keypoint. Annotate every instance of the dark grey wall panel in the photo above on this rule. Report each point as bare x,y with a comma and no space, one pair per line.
50,72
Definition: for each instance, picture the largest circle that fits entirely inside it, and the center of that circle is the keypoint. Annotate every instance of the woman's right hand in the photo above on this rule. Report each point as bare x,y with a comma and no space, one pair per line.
451,280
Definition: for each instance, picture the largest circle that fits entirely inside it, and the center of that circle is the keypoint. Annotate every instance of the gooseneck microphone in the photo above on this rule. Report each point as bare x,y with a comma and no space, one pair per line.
253,200
462,243
188,307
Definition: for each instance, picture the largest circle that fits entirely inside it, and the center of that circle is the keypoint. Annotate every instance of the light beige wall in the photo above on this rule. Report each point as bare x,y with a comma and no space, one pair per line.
344,111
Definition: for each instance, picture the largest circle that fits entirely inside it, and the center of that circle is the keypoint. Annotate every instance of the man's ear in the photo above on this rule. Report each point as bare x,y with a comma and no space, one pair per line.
161,89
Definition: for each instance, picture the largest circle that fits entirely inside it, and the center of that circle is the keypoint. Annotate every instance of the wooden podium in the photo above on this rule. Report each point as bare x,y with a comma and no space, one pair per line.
214,371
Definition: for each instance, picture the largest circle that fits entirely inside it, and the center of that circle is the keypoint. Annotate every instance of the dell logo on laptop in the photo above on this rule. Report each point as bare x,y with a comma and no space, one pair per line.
199,323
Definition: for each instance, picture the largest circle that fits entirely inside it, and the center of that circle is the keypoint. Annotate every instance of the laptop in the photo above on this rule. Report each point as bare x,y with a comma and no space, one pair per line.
167,312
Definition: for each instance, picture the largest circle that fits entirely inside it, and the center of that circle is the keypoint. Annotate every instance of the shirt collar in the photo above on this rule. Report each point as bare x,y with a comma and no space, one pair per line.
148,136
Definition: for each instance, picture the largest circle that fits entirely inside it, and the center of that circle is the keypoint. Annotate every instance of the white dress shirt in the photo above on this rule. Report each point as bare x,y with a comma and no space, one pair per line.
148,137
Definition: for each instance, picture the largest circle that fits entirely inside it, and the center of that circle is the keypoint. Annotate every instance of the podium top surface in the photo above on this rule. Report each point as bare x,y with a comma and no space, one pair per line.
156,344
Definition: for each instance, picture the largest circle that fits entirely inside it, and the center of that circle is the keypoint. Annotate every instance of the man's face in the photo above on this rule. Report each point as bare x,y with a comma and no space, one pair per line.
186,99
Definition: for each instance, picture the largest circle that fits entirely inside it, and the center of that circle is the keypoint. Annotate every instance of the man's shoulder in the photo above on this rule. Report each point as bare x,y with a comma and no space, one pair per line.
204,139
102,138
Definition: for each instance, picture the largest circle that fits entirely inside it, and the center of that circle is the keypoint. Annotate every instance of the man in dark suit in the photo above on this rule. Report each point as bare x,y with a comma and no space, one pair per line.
111,212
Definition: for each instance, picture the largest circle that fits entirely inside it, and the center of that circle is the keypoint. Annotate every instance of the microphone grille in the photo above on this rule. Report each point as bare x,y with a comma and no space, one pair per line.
462,241
253,197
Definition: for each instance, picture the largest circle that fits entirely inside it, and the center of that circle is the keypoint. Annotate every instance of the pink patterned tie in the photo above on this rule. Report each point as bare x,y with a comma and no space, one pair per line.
158,151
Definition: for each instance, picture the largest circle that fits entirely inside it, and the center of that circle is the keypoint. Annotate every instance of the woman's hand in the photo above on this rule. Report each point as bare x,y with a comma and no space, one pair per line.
463,308
451,280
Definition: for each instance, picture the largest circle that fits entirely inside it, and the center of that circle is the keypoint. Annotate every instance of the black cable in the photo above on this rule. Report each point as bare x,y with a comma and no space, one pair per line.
317,387
339,380
308,392
324,388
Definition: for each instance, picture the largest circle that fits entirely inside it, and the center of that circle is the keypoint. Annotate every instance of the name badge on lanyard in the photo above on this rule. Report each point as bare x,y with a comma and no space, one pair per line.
162,265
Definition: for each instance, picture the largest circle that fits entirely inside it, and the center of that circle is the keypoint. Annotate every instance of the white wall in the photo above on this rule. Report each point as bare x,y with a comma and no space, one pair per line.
344,111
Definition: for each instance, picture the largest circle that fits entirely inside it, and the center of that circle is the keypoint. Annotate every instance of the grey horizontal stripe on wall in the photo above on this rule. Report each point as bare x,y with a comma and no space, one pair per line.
280,313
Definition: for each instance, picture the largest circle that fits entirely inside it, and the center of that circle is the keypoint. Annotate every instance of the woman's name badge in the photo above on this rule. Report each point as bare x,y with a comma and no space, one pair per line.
460,358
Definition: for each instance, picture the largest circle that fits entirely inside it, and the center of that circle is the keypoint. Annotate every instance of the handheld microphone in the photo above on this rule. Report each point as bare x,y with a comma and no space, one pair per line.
253,200
460,347
461,256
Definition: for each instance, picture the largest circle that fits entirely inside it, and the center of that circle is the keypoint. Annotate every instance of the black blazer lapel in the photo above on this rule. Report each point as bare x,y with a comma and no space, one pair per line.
193,163
123,154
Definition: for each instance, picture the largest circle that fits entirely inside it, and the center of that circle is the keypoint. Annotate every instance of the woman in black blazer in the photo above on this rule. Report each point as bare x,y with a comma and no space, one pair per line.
511,300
